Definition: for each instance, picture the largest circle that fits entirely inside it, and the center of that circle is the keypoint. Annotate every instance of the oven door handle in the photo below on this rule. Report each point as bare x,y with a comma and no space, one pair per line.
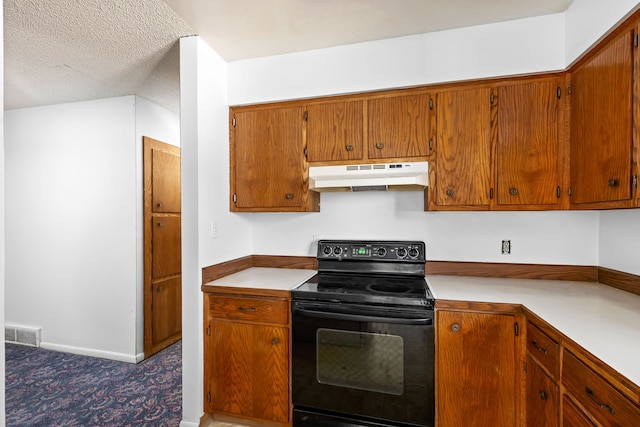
361,317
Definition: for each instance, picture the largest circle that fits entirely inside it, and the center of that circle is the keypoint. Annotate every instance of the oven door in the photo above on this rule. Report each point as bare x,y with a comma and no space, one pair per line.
374,364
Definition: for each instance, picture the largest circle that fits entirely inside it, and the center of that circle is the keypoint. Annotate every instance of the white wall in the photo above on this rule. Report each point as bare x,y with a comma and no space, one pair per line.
620,240
506,48
74,222
205,193
2,226
587,21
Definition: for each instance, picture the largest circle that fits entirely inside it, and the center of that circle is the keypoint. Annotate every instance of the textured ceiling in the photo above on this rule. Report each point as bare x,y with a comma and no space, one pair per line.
70,50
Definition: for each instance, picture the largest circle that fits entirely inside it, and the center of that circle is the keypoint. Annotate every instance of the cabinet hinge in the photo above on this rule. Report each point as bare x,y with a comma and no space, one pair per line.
558,194
209,330
569,192
635,181
491,193
516,329
635,41
570,90
209,397
492,98
306,151
431,103
306,116
431,144
559,92
233,122
524,367
235,198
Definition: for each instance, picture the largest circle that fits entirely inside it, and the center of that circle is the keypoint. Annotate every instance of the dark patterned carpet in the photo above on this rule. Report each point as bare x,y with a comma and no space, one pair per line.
48,388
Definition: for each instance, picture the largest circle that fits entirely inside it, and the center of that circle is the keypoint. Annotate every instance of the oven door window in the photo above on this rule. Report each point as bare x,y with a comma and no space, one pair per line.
360,360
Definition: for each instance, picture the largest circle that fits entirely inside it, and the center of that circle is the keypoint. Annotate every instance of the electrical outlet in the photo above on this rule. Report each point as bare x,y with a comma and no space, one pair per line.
506,247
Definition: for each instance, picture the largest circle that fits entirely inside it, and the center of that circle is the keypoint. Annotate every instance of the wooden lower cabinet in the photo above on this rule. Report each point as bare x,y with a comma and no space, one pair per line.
477,383
572,416
246,358
542,397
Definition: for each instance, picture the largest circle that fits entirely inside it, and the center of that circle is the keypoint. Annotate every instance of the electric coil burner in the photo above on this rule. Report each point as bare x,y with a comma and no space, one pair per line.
363,337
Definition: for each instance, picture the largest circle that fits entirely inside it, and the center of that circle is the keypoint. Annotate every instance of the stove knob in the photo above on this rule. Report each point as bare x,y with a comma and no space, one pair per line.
337,251
326,250
381,252
402,252
413,252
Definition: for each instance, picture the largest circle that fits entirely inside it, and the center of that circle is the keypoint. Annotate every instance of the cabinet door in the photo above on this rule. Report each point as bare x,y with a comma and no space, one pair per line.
528,149
463,149
334,131
399,126
476,357
269,161
572,416
247,371
542,397
602,124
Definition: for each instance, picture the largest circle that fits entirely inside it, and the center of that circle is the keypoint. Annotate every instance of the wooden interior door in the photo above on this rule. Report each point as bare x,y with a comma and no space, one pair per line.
162,246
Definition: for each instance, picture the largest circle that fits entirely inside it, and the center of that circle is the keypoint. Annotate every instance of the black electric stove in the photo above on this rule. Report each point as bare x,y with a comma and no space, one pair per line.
369,272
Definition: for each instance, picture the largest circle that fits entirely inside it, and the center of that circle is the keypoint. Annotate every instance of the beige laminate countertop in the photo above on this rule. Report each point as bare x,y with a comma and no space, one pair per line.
602,319
281,279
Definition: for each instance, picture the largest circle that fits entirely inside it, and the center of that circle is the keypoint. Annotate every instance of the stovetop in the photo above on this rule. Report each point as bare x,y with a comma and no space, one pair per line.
369,272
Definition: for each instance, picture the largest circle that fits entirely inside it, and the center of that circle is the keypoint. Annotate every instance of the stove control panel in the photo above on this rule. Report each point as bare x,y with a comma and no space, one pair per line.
371,250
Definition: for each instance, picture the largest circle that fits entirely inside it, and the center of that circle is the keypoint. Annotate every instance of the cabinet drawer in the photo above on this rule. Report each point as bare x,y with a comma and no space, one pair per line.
260,310
543,349
608,406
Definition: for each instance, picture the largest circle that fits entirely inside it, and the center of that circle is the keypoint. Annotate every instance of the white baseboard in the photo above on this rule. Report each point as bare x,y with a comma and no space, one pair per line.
121,357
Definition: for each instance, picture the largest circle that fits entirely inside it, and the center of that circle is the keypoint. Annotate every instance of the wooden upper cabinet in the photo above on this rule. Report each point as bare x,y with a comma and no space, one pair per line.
461,174
602,126
529,145
334,131
268,171
399,126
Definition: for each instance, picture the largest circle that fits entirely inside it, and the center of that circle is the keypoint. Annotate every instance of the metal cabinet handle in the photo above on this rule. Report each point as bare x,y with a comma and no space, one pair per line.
289,196
542,349
275,341
159,288
247,310
160,204
542,394
450,193
160,224
513,191
379,145
455,327
612,182
349,147
602,405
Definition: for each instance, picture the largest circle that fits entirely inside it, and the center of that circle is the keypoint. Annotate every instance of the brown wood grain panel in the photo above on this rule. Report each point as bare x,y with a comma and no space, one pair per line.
543,349
572,416
305,263
399,126
165,180
167,311
476,306
217,271
251,309
602,124
618,279
597,396
528,144
463,149
271,373
166,249
542,397
334,131
476,369
514,271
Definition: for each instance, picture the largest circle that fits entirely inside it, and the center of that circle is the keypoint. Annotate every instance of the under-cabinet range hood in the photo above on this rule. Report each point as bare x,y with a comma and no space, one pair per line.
370,177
